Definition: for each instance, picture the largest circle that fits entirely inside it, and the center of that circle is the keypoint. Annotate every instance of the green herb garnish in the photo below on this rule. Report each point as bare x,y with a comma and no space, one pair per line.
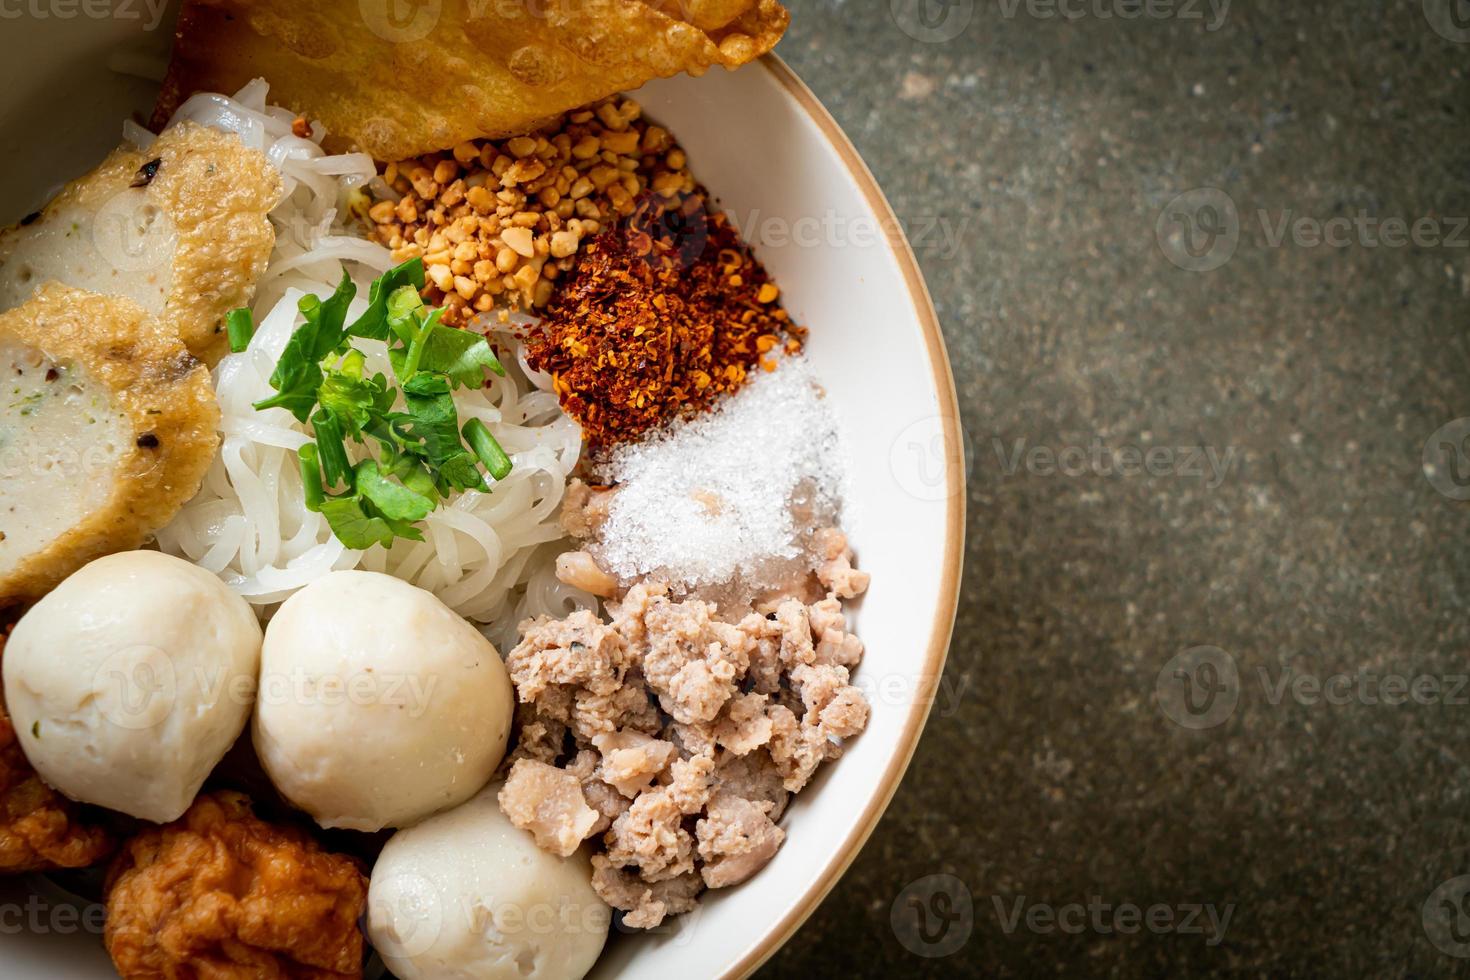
421,453
487,448
240,328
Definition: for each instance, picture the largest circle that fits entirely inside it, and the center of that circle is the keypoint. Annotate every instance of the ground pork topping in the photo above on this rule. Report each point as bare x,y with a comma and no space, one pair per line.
646,903
651,836
673,739
836,572
743,725
736,839
549,803
606,800
630,760
578,650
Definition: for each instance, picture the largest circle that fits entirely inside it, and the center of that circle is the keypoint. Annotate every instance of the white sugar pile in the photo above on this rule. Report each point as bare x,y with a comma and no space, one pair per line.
712,499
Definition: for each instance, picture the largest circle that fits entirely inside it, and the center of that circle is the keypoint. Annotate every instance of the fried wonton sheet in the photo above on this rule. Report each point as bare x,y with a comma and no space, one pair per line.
399,78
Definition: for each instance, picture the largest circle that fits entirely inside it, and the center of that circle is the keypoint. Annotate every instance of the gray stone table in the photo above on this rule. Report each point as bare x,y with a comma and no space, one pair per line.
1237,233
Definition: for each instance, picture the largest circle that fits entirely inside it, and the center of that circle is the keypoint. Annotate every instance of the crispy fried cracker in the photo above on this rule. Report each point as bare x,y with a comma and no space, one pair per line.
404,77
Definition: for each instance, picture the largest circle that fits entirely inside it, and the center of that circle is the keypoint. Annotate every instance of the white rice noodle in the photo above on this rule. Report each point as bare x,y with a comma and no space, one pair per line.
136,134
488,555
484,553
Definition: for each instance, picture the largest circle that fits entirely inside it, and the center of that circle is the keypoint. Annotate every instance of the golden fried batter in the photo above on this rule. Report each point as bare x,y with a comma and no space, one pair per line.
40,830
107,427
221,894
404,79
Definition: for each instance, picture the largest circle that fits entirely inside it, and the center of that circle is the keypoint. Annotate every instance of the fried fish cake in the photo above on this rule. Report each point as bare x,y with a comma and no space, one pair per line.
220,893
180,228
107,427
40,830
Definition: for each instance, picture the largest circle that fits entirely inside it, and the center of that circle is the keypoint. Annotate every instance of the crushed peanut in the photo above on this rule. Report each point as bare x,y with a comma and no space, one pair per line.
497,221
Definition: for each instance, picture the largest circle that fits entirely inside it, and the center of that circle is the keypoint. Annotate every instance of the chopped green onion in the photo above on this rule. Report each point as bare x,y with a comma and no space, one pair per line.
321,379
311,477
352,364
336,467
240,328
485,447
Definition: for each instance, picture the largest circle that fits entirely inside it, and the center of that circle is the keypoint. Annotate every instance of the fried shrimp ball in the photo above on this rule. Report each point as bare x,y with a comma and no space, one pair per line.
40,830
221,894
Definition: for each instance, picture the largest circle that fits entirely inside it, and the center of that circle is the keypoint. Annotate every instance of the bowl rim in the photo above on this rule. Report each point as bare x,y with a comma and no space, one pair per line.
942,628
930,668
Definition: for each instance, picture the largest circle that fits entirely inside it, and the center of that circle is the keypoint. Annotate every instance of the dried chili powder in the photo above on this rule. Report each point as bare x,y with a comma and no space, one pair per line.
665,312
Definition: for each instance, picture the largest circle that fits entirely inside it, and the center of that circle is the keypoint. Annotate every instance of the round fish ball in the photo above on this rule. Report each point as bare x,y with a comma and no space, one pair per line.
467,895
131,680
379,705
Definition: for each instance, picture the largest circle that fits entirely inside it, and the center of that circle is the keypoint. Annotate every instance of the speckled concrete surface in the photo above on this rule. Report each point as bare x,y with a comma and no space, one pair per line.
1315,784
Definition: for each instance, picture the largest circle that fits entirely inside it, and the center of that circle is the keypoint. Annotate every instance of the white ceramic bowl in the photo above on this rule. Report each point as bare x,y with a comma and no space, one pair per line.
796,187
